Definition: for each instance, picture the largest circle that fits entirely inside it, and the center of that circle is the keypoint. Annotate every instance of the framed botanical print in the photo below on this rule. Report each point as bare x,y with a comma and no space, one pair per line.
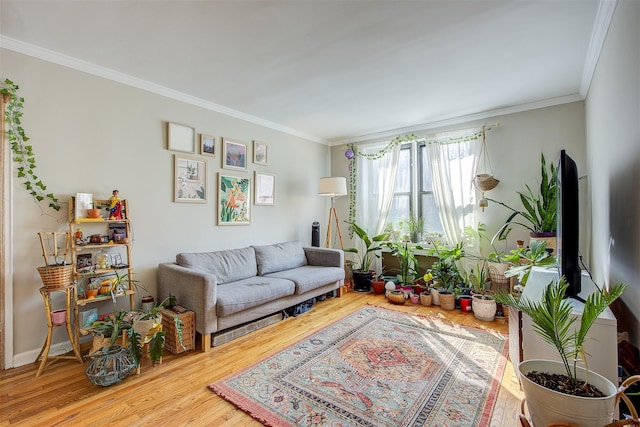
190,179
181,138
234,155
264,189
234,200
260,153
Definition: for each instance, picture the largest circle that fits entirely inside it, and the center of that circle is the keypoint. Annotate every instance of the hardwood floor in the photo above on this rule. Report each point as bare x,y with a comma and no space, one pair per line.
175,393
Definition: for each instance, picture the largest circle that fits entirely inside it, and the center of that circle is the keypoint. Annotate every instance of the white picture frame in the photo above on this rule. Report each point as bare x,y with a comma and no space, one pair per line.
265,189
181,138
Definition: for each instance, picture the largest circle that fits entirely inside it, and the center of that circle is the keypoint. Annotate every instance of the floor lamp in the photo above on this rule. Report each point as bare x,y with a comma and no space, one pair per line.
333,187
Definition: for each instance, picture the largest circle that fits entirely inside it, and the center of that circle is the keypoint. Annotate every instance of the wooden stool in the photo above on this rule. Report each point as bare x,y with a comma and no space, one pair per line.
43,356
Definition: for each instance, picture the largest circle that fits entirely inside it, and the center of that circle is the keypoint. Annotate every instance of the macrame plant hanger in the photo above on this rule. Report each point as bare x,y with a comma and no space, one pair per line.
484,180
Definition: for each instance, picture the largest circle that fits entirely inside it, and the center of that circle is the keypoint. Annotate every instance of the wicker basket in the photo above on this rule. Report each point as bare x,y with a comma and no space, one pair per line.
396,297
447,300
110,366
56,276
172,340
485,182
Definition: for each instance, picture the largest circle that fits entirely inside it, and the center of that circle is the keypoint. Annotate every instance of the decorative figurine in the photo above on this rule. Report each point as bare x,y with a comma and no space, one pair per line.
115,206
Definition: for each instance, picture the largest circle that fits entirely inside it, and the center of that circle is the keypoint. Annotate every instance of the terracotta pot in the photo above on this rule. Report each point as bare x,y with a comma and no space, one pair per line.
91,293
93,213
378,286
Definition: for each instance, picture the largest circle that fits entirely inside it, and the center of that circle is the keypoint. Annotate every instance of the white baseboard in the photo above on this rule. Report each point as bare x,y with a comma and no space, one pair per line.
27,357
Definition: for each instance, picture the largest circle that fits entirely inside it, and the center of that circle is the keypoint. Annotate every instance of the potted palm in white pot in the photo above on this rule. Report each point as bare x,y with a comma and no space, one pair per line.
570,393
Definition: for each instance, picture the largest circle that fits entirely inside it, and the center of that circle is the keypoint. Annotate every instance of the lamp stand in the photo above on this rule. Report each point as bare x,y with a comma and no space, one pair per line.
333,213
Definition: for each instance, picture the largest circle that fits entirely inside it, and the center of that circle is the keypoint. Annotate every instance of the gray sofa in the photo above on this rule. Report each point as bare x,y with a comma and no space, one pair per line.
231,287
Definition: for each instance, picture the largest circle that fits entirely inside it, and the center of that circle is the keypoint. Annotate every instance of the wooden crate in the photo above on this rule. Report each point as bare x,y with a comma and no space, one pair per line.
188,319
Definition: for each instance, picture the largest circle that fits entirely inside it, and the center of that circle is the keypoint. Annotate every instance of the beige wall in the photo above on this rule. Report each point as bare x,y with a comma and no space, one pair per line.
93,135
613,146
514,150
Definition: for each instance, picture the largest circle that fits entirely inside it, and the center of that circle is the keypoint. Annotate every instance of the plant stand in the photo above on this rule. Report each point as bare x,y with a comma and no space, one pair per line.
43,356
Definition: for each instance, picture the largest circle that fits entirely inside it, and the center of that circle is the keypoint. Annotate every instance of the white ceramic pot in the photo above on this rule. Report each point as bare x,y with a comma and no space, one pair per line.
484,307
547,406
435,296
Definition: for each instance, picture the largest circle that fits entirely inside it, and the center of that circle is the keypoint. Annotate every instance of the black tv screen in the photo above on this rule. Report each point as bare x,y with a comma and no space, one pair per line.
568,230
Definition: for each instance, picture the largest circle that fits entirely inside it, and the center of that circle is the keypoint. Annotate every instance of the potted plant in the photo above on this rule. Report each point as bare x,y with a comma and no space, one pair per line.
445,271
368,252
414,226
563,390
407,261
539,211
522,259
378,283
483,305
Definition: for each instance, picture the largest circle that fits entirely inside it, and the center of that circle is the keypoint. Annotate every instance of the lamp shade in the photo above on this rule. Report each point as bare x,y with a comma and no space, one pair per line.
333,186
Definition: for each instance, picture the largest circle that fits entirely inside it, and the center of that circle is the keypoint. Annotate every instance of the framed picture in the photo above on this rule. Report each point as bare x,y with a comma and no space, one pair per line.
116,260
260,153
265,189
190,180
207,145
234,155
181,138
84,262
234,200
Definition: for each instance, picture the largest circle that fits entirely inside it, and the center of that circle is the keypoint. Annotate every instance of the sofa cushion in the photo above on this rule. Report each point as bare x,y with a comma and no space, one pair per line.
310,277
248,293
228,265
278,257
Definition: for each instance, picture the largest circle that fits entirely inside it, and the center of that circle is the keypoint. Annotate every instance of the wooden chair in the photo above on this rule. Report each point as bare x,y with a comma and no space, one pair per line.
633,421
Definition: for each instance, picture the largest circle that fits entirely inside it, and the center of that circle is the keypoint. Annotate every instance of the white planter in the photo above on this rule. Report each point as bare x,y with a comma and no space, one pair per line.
435,296
484,308
547,406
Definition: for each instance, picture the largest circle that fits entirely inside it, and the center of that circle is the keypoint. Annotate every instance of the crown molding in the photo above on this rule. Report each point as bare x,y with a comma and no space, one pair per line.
422,129
116,76
604,16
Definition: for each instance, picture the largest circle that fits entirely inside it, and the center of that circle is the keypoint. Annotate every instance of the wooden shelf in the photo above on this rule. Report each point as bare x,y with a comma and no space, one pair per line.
82,302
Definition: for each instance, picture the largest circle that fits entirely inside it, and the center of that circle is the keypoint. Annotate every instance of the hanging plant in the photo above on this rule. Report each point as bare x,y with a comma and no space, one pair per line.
22,153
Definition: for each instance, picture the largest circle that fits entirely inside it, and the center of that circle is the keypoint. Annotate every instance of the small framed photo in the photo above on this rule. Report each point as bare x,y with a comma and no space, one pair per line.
260,153
234,200
116,260
190,180
234,155
265,189
84,262
181,138
207,145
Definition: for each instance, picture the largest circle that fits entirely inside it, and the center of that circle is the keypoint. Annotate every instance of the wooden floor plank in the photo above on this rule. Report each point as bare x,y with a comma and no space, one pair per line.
175,392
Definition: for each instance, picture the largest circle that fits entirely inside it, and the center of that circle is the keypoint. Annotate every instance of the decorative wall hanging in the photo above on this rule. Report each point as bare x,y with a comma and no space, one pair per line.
265,189
234,200
207,145
260,153
190,180
181,138
234,155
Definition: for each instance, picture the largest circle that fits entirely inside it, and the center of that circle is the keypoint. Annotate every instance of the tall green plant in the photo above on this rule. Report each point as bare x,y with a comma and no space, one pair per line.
23,154
554,323
539,211
406,259
370,249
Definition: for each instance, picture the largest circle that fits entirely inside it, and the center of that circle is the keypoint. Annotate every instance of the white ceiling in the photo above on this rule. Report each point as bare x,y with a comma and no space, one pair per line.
325,70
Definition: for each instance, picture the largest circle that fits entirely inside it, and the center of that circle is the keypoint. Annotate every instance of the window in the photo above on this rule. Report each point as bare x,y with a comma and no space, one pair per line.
413,193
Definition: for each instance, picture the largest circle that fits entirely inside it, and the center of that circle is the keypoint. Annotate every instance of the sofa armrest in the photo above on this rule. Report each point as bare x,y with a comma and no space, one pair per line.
326,257
194,290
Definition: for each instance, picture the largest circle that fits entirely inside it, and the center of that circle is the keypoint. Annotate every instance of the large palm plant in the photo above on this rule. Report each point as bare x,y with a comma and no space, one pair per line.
554,323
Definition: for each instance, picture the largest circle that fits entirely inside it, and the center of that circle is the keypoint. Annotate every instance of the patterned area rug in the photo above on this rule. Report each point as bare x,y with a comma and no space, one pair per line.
376,367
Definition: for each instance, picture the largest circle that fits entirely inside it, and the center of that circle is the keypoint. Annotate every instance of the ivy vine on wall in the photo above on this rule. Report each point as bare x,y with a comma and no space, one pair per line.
22,153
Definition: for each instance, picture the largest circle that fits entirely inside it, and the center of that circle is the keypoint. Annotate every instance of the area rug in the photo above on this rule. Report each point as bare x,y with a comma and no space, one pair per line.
376,367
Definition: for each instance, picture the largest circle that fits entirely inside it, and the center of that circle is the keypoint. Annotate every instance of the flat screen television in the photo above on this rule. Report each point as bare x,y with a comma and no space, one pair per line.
568,230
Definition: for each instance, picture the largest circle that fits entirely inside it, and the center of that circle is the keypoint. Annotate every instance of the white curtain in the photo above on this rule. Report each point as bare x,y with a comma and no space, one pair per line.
452,157
375,181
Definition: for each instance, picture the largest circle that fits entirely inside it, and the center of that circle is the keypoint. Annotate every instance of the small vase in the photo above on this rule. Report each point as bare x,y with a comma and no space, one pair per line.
415,298
435,295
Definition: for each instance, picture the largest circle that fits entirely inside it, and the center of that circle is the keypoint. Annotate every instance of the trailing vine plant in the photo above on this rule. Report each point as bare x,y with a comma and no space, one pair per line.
23,154
351,153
